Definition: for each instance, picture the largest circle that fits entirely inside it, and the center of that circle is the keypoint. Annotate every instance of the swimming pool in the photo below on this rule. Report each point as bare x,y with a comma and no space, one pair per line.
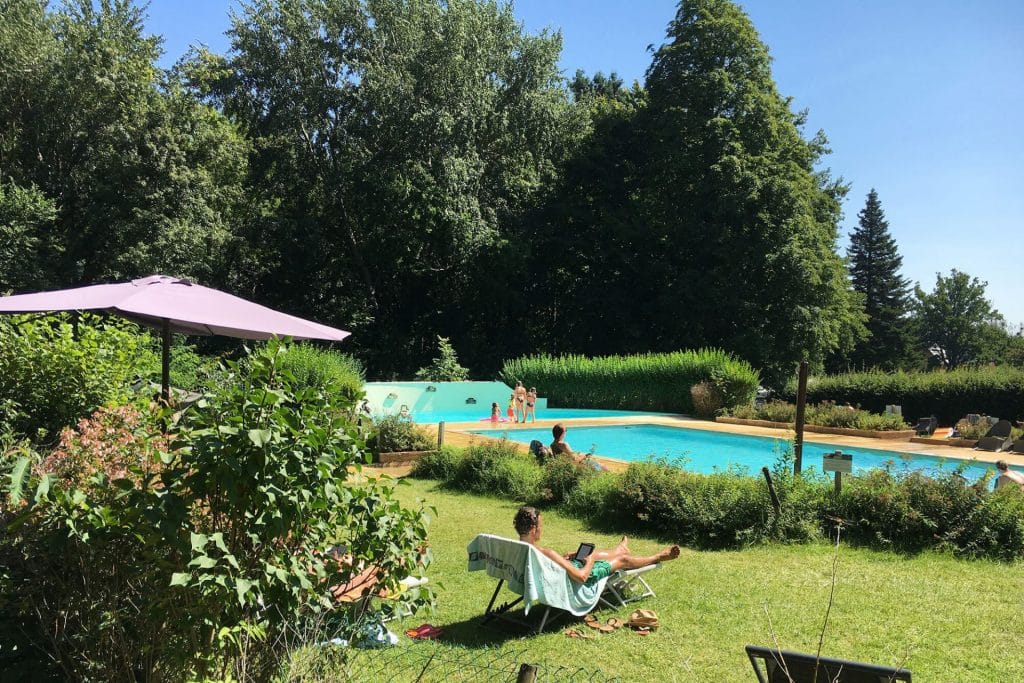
481,413
706,451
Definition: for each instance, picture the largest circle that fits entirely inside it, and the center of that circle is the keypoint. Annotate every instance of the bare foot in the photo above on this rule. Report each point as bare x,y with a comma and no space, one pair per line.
624,543
670,553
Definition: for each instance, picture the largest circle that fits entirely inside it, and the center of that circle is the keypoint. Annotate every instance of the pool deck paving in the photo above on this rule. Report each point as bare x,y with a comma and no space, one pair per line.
459,434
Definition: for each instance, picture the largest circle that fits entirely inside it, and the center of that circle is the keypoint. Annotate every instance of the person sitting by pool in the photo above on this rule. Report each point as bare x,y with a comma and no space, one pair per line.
561,447
599,564
1007,476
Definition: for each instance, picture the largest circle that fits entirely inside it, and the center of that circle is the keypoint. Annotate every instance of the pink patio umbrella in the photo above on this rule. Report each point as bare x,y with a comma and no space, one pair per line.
175,305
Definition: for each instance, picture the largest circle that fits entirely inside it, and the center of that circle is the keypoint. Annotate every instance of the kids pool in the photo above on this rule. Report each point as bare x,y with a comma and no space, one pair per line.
706,451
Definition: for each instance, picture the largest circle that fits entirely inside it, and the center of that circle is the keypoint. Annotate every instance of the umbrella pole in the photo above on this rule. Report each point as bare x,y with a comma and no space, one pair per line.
165,389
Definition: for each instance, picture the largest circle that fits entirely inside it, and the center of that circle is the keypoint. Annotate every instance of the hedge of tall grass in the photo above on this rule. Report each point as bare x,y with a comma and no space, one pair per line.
650,381
949,395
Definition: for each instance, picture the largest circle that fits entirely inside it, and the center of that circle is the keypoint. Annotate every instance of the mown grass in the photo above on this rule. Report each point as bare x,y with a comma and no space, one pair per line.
943,618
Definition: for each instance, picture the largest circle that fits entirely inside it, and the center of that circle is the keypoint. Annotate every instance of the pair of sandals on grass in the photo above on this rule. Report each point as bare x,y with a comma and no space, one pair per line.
642,621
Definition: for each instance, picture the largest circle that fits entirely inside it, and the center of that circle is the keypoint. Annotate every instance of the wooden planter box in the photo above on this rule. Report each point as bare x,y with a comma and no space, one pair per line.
901,435
400,457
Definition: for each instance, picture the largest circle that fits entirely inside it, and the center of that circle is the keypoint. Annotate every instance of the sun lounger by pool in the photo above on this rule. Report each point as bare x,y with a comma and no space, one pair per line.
539,581
782,666
926,426
997,438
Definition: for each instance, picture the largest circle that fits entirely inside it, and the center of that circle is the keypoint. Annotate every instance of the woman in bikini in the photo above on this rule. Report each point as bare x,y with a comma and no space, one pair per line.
599,564
531,404
520,394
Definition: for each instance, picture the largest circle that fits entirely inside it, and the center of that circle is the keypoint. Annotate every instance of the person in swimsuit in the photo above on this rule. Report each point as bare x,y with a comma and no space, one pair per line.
599,564
495,412
520,394
561,447
1007,476
531,404
511,407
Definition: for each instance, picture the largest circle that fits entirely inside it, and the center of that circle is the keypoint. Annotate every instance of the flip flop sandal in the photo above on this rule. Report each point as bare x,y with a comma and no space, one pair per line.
423,631
642,631
591,621
616,623
574,633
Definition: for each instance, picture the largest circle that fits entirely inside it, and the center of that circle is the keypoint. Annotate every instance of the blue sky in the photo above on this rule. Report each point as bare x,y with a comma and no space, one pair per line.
921,100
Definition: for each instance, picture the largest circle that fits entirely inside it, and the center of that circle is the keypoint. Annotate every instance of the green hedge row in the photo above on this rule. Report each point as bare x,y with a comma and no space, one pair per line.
949,395
885,509
651,381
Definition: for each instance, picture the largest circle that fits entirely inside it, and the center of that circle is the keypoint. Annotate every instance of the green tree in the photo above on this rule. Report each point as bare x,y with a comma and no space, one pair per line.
954,320
396,142
875,272
141,177
740,245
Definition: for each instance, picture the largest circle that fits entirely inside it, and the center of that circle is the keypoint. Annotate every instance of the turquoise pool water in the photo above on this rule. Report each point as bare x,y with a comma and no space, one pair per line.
705,451
482,414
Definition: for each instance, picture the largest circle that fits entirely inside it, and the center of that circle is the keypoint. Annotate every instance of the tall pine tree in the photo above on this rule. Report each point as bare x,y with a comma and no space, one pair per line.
875,272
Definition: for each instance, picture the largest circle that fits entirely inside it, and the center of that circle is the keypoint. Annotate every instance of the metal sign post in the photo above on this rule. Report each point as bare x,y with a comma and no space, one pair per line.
837,462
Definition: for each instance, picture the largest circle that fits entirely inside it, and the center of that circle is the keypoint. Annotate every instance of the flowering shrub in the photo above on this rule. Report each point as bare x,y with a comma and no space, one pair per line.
114,441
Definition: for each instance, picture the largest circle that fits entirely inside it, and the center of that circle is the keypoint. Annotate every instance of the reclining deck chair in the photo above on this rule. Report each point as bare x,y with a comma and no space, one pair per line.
782,666
926,426
997,438
538,580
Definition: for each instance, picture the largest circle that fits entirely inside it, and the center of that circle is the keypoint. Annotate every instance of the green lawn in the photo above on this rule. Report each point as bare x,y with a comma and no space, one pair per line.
945,619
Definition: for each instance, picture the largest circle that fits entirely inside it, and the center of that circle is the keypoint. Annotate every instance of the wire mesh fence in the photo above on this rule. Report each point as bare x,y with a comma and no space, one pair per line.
437,663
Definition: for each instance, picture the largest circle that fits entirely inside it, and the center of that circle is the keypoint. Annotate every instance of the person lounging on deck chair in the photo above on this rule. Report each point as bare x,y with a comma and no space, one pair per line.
926,426
540,582
365,585
782,666
997,438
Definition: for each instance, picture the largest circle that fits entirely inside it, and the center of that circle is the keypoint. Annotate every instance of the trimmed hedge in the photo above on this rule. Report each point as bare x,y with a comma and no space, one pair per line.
949,395
652,381
822,415
886,509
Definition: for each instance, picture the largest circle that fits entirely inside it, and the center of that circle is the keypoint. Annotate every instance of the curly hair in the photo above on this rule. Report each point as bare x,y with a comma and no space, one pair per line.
526,518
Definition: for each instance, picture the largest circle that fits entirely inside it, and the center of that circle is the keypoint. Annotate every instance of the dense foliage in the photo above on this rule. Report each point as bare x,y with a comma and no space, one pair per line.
395,433
951,395
444,368
197,555
825,414
890,509
56,369
319,368
875,273
955,319
650,381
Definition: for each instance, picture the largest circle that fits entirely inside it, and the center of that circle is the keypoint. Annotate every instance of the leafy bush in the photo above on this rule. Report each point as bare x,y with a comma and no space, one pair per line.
911,511
641,382
593,497
51,375
826,414
707,400
444,368
949,395
442,464
315,367
394,433
561,476
113,442
498,468
209,558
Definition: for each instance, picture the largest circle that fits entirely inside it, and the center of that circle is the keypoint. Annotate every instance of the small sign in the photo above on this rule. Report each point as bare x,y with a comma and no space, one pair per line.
837,462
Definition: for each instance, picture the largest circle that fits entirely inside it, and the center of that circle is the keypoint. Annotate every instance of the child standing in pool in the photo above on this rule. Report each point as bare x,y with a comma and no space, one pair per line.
511,412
